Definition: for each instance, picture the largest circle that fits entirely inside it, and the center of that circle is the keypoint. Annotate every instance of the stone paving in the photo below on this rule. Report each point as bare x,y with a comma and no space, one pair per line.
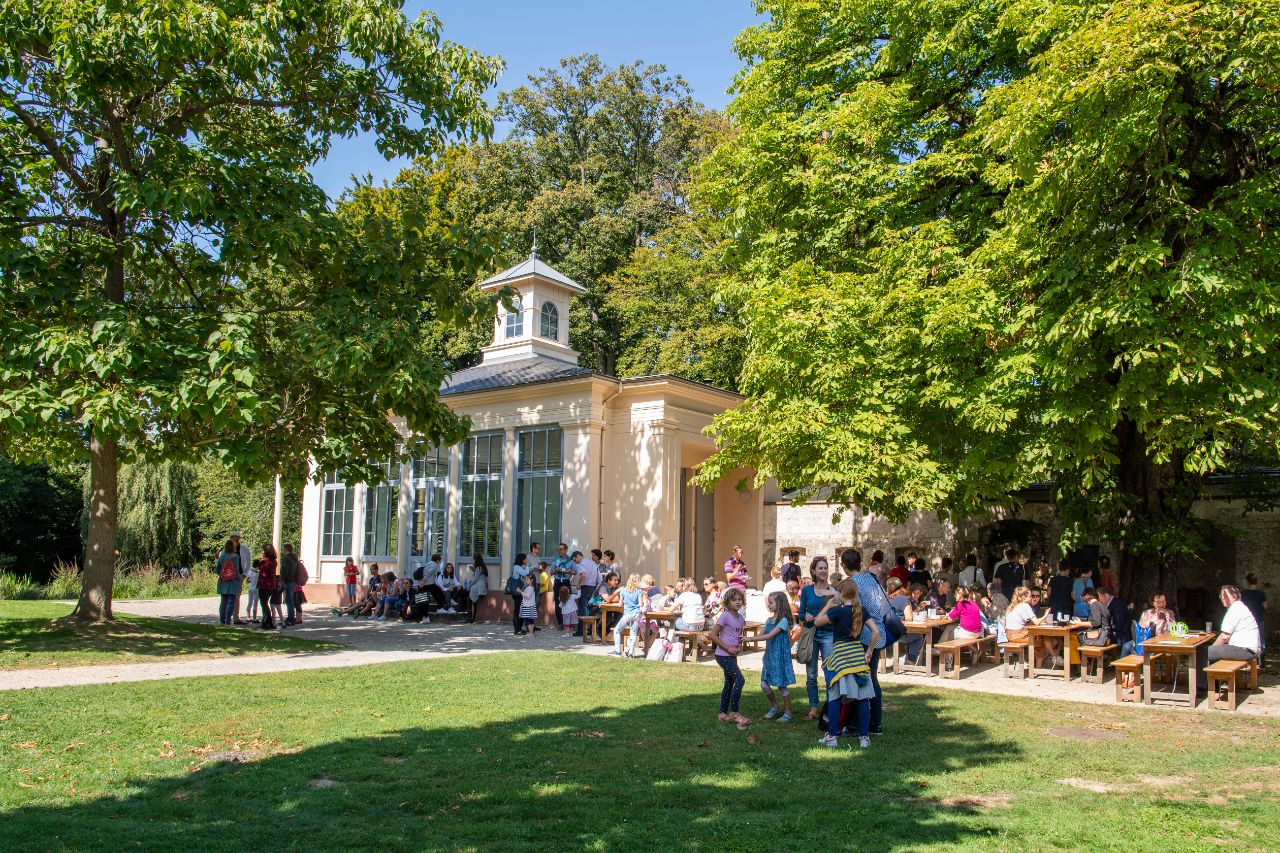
372,642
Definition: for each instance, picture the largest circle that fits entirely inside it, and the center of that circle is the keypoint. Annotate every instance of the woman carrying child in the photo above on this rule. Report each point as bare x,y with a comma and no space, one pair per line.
847,671
778,671
726,635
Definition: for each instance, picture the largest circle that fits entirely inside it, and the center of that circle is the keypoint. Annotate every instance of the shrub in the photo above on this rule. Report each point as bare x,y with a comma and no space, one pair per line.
132,581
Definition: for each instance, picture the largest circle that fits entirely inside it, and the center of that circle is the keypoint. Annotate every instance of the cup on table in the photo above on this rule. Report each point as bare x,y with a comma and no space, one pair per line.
1208,626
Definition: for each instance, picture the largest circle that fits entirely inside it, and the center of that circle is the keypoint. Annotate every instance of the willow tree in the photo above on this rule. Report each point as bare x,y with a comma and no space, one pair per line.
989,244
174,282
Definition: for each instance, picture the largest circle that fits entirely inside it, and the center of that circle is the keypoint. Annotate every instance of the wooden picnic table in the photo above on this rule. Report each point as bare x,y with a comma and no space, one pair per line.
1070,647
926,627
1176,647
668,616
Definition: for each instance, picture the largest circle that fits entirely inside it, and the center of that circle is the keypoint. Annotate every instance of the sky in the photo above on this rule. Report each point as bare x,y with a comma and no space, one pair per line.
693,38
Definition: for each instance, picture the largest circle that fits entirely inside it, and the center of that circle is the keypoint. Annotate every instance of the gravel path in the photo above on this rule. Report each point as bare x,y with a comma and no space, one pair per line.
385,642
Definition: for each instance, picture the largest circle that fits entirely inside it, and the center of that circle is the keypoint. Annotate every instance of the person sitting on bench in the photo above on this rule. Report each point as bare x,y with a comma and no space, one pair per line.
1239,638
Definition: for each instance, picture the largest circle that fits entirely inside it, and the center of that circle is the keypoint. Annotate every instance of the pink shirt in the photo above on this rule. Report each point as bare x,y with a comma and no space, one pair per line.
970,616
730,630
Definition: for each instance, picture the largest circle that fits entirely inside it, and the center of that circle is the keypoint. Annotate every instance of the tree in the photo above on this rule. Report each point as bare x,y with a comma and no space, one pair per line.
157,521
597,162
225,502
39,518
175,283
1020,241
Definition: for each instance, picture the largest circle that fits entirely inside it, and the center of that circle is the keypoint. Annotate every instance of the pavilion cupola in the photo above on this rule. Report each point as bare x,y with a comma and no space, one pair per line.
537,324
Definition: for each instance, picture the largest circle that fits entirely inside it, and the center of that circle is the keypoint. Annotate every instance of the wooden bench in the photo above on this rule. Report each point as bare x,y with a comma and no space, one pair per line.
1093,662
693,641
951,650
987,646
591,632
1015,659
1131,665
1223,675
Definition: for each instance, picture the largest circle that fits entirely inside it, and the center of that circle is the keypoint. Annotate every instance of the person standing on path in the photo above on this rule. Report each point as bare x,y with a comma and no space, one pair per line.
735,570
562,572
289,578
244,559
589,575
227,567
268,586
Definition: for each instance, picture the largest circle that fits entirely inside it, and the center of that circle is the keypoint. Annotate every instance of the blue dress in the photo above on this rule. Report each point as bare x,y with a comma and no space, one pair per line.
777,656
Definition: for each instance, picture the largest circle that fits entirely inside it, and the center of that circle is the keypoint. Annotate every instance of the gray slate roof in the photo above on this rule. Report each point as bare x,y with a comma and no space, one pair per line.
533,265
525,371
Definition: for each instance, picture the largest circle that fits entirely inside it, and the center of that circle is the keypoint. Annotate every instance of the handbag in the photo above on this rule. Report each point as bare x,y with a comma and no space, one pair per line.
804,645
513,585
893,627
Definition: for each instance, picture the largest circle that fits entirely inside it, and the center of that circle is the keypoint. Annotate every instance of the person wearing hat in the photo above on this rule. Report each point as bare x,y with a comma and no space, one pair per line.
244,560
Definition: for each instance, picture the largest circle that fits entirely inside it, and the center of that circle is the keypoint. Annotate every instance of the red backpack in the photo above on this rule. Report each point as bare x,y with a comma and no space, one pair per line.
228,571
303,577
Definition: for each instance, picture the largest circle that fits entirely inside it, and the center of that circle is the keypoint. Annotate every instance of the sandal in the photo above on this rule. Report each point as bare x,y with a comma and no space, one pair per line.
812,715
741,720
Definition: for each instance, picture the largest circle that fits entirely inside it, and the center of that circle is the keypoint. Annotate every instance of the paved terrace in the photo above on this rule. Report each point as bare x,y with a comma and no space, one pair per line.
371,642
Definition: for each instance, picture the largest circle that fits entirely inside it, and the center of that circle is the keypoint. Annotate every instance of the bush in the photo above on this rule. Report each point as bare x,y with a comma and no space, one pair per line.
132,581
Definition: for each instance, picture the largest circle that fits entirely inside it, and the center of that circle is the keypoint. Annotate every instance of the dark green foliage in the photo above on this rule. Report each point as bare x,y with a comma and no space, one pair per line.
39,518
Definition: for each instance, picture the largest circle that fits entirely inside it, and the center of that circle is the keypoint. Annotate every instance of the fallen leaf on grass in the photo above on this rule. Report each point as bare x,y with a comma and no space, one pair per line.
26,744
25,785
4,717
587,734
72,746
753,740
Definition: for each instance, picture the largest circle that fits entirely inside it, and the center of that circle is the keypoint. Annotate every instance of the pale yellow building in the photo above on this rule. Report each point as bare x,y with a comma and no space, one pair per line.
556,453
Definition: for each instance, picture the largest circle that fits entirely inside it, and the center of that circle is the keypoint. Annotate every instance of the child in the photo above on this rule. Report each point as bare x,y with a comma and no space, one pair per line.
632,597
253,592
848,675
569,607
528,605
726,635
777,656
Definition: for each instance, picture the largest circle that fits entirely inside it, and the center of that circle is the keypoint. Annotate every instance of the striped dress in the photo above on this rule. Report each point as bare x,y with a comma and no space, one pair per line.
847,661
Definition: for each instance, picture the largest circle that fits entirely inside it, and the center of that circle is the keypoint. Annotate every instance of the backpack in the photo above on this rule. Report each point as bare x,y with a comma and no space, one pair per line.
227,571
303,577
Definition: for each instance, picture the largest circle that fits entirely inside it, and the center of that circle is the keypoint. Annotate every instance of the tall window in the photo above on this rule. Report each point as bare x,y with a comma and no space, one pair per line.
550,322
515,319
382,512
480,525
538,487
427,519
339,511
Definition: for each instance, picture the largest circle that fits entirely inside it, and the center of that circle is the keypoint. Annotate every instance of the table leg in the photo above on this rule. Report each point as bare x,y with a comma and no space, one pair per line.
1068,651
928,652
1191,680
1147,698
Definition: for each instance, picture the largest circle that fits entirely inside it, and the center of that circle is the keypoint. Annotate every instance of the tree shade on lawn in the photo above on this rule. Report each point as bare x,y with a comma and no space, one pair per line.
993,244
174,283
533,751
33,635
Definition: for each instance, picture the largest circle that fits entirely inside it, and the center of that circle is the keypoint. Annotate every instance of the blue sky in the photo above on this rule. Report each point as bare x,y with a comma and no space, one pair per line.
693,38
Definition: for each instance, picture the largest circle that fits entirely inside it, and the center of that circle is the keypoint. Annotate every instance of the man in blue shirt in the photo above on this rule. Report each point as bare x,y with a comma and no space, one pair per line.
562,572
874,607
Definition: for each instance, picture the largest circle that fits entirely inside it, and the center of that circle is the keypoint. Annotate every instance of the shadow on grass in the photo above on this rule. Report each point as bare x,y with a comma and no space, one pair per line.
657,776
46,642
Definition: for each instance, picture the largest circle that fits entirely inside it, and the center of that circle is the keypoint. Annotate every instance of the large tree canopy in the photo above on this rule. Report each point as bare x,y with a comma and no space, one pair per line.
995,243
174,282
597,163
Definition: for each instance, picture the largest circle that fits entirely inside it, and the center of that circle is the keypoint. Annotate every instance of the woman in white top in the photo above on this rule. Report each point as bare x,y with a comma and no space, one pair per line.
775,582
1018,617
1239,638
689,605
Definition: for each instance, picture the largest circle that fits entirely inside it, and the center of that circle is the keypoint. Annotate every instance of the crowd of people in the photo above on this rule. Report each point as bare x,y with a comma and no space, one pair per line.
837,624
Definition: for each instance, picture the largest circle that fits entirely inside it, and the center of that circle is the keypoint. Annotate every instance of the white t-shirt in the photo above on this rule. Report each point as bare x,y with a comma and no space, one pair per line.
968,575
691,607
1242,627
775,585
1019,617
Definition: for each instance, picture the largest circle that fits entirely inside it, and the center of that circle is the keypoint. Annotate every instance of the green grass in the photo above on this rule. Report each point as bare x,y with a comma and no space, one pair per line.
544,750
30,638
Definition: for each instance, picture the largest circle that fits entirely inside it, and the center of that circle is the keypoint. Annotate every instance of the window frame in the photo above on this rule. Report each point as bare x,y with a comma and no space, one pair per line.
515,319
551,319
480,486
538,468
385,496
335,486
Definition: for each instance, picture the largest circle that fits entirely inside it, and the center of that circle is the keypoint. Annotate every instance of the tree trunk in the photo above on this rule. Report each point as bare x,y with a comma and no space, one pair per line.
100,550
1156,501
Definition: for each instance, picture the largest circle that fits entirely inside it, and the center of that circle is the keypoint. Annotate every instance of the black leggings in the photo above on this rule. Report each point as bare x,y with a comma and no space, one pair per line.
733,681
516,623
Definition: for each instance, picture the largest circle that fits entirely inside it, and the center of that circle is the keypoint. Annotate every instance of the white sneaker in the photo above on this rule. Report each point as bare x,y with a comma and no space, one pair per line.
448,610
828,740
426,620
864,742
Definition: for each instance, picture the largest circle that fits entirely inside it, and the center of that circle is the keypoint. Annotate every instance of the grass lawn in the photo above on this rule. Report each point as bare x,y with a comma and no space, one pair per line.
29,638
543,750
